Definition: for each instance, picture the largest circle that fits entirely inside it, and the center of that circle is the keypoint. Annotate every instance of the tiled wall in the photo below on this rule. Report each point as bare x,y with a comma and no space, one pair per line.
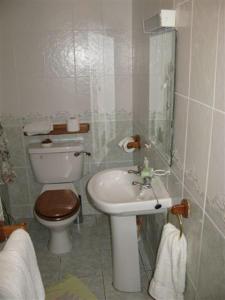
66,55
61,58
198,171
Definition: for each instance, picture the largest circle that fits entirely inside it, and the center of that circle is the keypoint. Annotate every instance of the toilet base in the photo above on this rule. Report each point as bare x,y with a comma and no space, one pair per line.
59,240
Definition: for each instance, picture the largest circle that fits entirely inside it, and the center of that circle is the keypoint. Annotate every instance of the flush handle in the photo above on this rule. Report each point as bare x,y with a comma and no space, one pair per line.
78,153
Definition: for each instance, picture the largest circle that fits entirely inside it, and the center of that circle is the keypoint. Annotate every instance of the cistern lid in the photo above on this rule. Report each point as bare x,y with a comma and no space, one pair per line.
56,147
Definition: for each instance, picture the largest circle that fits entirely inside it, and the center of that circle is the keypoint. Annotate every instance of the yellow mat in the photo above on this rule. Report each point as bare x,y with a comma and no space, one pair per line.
71,288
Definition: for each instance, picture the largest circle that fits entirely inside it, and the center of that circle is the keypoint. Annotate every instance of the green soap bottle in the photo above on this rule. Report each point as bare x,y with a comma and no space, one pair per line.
147,171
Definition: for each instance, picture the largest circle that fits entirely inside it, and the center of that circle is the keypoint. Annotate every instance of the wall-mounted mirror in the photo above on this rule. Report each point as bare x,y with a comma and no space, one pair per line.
161,91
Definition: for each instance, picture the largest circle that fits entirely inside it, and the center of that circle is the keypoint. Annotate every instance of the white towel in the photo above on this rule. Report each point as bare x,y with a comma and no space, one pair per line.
38,127
168,282
20,277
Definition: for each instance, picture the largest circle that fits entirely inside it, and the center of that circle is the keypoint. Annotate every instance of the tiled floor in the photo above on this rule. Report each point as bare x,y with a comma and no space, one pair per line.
90,259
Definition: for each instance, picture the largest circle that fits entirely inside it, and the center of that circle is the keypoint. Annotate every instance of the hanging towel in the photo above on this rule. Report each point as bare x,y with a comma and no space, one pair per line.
20,277
168,282
38,127
7,174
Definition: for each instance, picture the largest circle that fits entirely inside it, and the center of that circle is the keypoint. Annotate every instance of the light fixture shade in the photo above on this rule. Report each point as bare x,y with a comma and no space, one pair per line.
164,19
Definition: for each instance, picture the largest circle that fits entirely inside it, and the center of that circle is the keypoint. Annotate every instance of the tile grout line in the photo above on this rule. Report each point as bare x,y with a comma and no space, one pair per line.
103,280
201,103
181,95
195,288
189,89
183,2
215,225
219,110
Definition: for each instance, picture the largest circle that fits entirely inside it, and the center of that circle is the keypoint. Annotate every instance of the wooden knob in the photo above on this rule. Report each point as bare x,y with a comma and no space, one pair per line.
182,209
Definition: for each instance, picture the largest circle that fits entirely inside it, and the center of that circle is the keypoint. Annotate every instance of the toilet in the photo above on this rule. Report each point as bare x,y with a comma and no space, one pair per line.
58,205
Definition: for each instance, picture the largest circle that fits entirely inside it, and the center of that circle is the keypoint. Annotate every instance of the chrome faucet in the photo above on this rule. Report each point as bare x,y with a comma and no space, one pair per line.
146,175
146,184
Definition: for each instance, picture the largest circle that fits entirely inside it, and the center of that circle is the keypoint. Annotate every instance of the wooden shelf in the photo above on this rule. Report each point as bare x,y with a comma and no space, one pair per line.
61,129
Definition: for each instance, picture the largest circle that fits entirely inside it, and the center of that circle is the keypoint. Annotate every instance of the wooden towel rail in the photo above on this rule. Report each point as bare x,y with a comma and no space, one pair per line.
180,210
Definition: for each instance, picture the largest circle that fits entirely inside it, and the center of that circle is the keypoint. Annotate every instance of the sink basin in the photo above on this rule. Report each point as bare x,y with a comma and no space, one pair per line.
112,192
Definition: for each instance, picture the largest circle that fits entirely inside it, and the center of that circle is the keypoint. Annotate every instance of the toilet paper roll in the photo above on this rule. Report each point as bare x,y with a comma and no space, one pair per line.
124,142
73,124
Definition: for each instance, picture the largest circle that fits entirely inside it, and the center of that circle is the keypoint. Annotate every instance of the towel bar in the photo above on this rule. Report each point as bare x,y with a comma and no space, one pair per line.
180,210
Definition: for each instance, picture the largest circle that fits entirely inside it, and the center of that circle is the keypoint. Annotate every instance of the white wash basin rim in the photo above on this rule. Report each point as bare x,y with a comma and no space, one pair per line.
112,192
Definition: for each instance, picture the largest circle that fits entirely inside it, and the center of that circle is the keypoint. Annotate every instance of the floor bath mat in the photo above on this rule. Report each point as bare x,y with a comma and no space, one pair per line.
71,288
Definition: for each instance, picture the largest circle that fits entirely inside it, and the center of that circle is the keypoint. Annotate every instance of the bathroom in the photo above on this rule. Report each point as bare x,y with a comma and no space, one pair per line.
90,59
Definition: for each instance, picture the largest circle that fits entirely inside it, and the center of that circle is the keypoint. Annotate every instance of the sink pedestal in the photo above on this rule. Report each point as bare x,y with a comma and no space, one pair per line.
126,268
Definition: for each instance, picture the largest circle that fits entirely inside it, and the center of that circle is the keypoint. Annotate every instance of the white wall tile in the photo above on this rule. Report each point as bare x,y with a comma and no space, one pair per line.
23,16
166,4
198,140
29,54
60,95
82,58
123,93
87,15
183,26
117,52
57,15
59,54
215,205
32,95
220,74
180,125
116,14
83,94
204,45
212,258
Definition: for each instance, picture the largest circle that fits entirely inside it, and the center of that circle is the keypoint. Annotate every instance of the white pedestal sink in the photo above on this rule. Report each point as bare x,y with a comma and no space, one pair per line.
111,191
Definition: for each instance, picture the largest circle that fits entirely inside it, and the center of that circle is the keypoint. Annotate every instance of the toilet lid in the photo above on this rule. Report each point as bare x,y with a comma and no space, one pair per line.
57,204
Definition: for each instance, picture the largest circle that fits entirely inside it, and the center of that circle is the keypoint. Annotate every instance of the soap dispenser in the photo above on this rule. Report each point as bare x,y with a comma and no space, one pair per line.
146,171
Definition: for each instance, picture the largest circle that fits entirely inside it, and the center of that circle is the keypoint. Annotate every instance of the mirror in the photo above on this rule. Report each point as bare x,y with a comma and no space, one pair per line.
161,91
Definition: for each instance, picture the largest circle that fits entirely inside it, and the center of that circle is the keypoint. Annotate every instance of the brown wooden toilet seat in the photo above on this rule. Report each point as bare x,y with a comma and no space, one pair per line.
57,205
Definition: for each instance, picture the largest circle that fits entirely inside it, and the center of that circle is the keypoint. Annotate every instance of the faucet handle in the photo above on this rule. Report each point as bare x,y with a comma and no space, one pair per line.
140,184
161,172
138,172
133,172
146,184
